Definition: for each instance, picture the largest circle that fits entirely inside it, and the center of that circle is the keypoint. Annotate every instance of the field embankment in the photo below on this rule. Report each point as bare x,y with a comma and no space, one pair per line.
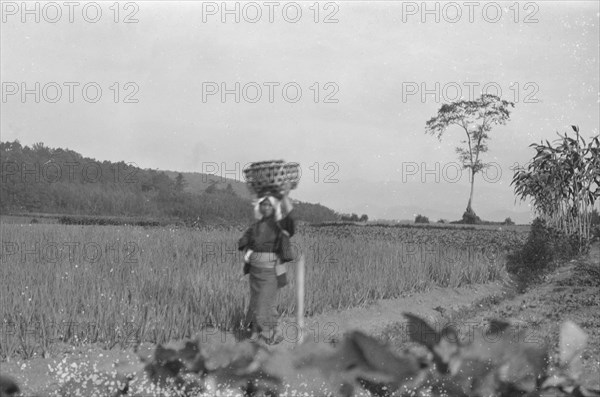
569,292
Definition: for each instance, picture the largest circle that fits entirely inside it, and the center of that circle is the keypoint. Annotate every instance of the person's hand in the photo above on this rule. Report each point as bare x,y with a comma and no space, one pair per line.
286,188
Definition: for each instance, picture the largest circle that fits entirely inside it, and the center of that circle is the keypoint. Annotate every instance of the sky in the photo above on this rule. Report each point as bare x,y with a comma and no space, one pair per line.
342,88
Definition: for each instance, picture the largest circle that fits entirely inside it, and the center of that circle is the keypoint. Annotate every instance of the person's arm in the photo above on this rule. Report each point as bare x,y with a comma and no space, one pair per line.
246,240
286,203
287,222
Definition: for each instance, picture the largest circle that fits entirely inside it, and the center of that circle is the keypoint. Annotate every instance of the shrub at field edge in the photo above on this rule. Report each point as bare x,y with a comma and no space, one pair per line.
543,247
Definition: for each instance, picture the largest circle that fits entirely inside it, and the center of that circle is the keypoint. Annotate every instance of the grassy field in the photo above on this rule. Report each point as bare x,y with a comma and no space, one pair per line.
114,285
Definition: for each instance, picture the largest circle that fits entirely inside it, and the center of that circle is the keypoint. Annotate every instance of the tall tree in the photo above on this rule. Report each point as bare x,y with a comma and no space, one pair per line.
476,118
212,188
229,189
180,182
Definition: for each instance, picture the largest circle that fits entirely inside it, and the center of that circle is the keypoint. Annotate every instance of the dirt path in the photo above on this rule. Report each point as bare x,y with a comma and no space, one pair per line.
569,292
377,317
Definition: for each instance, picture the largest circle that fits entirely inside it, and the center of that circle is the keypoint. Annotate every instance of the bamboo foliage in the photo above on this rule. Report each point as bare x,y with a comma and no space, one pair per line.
563,182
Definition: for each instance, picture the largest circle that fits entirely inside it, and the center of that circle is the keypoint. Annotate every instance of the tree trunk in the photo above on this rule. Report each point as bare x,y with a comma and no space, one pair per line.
469,208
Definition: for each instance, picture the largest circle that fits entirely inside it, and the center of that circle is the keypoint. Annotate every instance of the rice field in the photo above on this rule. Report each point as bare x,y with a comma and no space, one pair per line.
116,285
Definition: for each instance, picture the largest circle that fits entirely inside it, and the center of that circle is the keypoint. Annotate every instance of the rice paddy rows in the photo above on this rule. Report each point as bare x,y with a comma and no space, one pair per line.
115,285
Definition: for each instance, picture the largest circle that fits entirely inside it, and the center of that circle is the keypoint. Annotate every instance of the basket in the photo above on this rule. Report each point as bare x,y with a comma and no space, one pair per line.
268,177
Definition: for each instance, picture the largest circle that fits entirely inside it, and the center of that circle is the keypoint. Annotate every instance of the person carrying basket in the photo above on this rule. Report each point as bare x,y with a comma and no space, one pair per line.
267,247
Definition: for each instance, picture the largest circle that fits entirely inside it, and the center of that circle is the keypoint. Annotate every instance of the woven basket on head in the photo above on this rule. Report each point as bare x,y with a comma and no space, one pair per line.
268,177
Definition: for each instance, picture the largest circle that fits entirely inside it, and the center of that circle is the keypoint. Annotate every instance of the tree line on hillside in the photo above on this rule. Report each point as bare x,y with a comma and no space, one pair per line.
39,179
354,218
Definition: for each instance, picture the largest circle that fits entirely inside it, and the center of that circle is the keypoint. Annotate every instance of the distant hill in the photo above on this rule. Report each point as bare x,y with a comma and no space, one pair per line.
197,183
39,179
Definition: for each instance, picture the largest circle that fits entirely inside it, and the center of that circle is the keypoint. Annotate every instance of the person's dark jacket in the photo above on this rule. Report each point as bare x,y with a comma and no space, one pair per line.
263,235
